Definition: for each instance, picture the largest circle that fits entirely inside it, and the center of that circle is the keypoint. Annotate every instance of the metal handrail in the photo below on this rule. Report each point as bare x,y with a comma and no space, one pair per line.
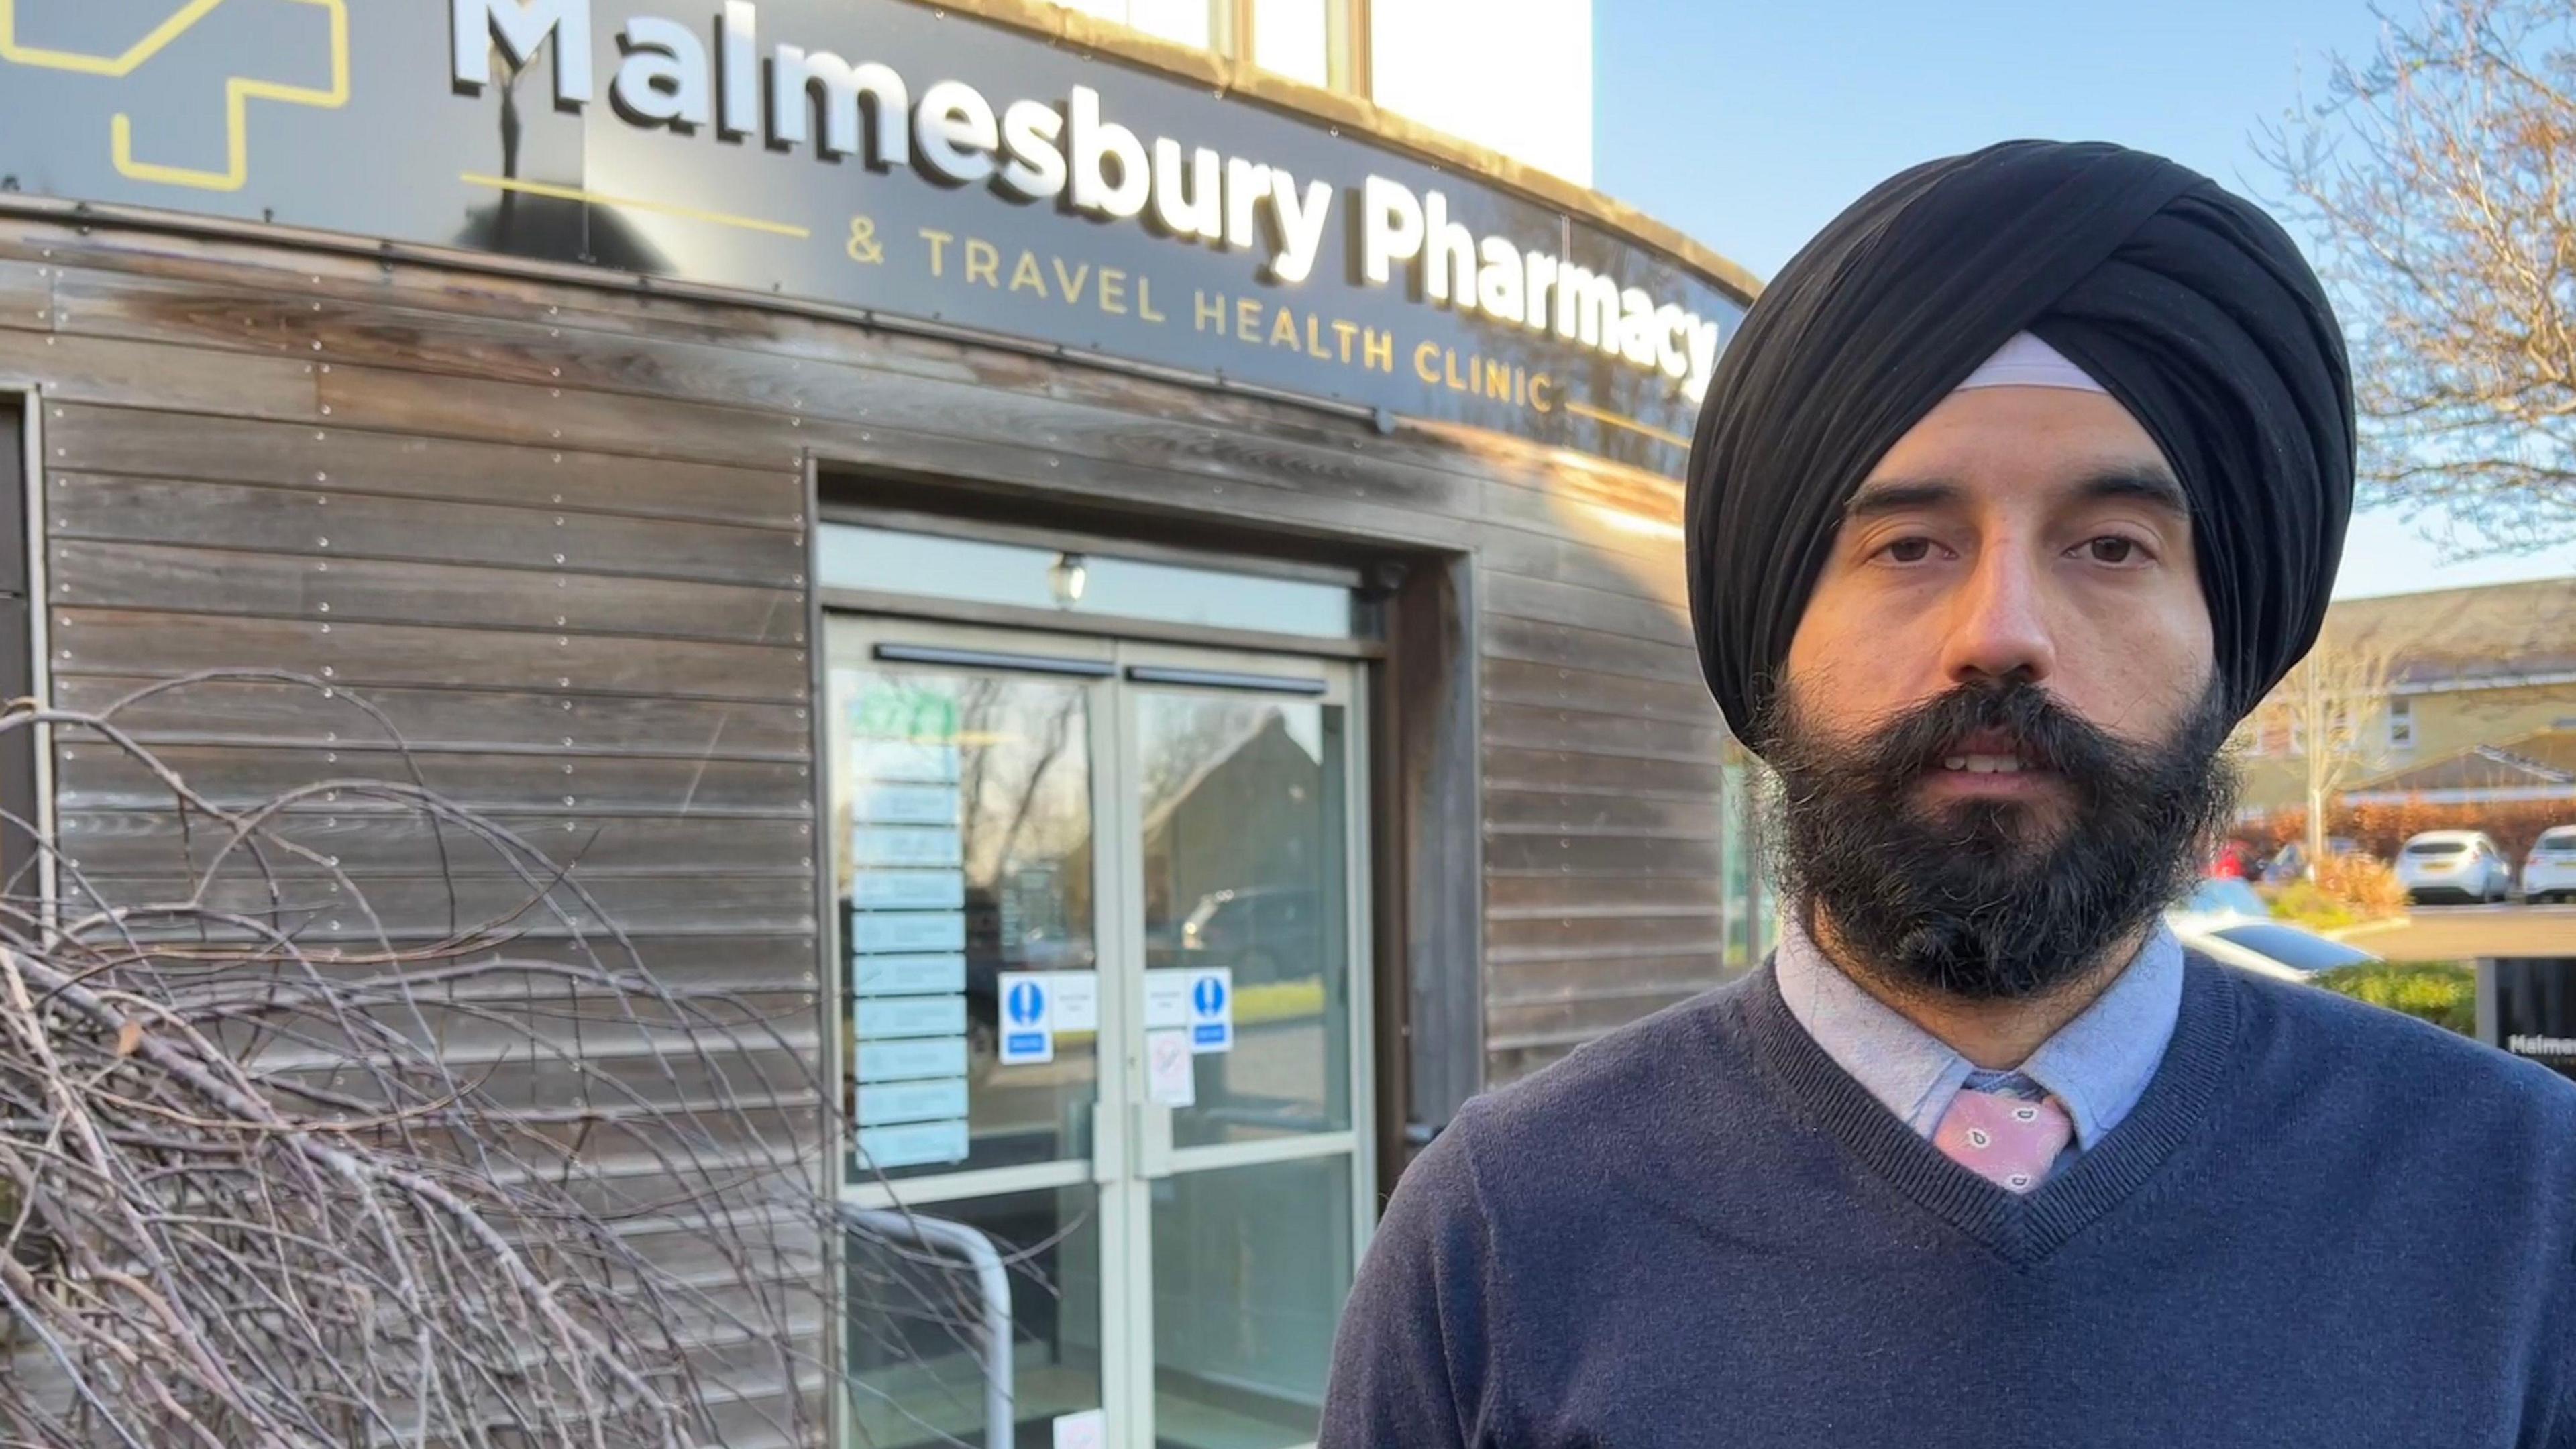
978,1253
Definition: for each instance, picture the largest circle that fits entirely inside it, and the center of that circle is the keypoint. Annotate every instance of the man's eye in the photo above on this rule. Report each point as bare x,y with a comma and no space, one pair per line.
2112,549
1907,550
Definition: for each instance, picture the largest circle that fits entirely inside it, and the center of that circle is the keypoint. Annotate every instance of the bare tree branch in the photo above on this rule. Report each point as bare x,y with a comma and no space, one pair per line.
264,1184
2441,170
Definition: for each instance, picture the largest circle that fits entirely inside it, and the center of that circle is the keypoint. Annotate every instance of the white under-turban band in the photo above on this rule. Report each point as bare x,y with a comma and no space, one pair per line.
2025,361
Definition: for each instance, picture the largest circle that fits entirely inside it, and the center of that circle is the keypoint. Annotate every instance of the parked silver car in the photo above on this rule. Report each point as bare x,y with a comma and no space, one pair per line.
2454,864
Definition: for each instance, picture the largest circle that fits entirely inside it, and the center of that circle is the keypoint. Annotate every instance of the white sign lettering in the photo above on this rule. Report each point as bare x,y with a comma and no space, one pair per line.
1039,151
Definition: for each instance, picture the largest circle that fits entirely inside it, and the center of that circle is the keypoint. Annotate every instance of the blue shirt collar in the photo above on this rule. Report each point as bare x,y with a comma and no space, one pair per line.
2097,1065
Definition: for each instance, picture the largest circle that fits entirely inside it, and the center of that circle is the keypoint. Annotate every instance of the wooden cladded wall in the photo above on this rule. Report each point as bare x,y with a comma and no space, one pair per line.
557,530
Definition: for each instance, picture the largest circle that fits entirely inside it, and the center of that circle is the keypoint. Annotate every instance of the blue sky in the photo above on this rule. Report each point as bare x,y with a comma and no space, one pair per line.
1748,125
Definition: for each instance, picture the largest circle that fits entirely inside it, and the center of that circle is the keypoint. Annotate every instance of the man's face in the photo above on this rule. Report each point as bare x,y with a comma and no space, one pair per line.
2016,533
1998,733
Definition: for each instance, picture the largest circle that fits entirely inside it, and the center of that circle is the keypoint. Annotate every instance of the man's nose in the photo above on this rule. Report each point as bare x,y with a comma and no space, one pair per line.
1999,622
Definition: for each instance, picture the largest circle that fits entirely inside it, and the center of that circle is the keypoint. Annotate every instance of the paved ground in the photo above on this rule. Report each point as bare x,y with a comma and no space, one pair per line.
2460,933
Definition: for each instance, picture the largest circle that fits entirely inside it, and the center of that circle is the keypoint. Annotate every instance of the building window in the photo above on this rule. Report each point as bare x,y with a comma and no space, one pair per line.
2401,724
1289,37
1183,22
1049,580
18,803
1320,42
1314,41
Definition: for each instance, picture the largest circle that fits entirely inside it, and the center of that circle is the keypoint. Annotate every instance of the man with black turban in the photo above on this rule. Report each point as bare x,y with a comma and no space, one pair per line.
2020,486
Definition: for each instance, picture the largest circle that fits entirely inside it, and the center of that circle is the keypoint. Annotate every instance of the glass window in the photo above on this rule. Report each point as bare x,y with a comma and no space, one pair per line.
2434,847
961,811
1250,1268
2401,724
1734,869
2292,947
915,1311
1244,812
1749,910
2562,838
1185,22
884,560
1291,38
1318,42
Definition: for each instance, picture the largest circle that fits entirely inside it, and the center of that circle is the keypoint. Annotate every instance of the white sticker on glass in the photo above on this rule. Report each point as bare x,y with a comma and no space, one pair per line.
1171,1068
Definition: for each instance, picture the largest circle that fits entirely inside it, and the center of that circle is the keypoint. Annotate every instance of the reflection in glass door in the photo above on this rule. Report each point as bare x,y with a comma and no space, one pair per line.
963,783
1105,1038
1240,785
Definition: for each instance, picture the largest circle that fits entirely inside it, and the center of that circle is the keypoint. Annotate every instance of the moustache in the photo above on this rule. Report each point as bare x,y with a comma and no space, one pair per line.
2011,716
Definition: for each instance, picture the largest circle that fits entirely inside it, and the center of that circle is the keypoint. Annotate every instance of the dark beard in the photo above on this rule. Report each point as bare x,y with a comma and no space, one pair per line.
1984,899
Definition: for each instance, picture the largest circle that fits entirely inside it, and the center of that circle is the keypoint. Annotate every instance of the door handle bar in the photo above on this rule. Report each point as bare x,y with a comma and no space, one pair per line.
990,659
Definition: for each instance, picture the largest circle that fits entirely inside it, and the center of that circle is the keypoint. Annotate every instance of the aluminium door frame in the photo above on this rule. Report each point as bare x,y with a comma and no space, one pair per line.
1346,689
1122,1199
929,1190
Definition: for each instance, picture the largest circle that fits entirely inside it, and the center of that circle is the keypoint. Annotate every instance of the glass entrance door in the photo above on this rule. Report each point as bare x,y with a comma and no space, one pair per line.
1104,1036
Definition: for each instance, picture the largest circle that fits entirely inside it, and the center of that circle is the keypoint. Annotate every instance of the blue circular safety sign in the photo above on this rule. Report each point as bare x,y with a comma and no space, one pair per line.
1208,996
1027,1003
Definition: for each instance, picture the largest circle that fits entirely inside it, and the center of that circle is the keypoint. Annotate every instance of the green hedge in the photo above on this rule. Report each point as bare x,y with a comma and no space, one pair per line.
2444,993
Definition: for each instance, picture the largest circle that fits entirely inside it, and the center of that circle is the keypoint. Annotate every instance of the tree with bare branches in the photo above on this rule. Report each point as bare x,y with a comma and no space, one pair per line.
2331,711
266,1183
2440,174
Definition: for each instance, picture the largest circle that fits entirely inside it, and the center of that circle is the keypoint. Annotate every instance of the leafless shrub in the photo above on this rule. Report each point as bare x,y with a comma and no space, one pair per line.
501,1187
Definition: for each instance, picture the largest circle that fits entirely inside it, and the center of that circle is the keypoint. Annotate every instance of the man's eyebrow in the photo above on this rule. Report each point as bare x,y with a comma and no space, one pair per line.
1901,495
2142,483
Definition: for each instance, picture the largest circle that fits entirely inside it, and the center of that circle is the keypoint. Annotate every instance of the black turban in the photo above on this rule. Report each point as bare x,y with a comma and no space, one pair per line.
2192,307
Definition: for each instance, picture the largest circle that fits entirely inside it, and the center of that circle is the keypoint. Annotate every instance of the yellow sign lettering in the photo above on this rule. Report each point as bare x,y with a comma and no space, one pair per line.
863,244
1070,285
1025,275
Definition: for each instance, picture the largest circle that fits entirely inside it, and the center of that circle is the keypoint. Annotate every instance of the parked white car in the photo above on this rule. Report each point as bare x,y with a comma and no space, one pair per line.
2456,864
2549,872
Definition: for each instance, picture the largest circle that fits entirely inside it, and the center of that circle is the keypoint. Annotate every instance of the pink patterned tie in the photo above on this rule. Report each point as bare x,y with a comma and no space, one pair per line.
2003,1139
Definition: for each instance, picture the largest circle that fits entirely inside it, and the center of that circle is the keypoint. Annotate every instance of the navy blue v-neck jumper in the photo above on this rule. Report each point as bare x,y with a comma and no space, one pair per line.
2324,1224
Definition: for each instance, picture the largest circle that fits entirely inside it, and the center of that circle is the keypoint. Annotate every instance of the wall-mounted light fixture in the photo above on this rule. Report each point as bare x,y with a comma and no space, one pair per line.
1066,577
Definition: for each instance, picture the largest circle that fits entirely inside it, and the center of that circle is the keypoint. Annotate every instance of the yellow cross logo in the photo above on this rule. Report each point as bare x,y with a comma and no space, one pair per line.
239,91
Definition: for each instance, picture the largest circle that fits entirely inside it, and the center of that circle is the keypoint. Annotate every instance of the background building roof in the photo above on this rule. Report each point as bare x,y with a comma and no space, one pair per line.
2544,760
2496,633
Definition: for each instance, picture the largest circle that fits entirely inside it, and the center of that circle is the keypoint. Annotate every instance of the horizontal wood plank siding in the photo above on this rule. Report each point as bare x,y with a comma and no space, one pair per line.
552,539
429,581
281,712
